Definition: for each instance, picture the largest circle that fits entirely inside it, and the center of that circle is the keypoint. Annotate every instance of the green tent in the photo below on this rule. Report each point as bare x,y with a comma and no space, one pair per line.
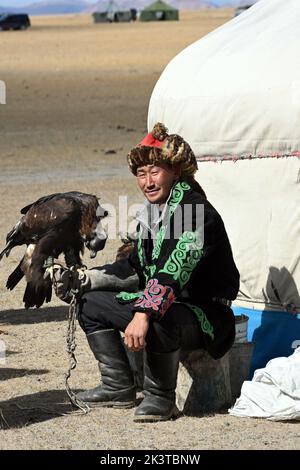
159,11
111,12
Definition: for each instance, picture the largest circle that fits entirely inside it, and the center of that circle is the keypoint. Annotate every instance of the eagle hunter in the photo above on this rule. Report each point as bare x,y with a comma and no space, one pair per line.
55,224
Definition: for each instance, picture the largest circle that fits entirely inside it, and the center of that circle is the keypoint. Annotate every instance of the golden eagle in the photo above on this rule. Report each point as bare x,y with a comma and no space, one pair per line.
54,224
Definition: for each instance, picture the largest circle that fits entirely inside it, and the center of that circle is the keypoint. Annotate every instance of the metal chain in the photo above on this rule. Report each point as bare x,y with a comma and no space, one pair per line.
71,346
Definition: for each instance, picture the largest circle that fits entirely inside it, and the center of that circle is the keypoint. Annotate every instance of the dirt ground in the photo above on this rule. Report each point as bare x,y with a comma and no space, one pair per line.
77,97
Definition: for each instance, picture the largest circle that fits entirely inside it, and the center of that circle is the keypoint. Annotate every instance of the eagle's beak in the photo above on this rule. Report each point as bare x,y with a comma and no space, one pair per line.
96,244
98,240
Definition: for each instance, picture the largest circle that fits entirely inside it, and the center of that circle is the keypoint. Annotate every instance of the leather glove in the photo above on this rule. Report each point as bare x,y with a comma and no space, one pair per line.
116,277
68,282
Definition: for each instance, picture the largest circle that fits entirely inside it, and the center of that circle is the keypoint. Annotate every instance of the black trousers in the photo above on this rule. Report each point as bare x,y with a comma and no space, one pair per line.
99,310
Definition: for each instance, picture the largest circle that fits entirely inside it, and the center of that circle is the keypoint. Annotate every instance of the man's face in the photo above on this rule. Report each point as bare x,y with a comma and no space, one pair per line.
156,181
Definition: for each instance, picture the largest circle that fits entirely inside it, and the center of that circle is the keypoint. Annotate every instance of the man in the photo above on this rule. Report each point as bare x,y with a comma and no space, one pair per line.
186,276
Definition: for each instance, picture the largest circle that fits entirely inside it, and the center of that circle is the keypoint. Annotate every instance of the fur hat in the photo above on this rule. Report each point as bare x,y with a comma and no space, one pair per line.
159,146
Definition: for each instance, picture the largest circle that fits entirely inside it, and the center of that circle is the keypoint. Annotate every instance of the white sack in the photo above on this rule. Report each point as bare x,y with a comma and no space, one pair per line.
273,393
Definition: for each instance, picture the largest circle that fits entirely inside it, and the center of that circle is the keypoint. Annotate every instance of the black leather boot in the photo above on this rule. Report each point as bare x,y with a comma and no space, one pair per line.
136,361
117,388
159,387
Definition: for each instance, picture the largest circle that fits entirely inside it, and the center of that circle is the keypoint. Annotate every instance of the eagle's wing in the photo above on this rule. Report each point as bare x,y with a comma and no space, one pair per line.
55,224
80,197
49,214
42,218
41,200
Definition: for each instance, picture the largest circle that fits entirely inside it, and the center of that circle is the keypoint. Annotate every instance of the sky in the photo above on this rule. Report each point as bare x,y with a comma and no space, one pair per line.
16,3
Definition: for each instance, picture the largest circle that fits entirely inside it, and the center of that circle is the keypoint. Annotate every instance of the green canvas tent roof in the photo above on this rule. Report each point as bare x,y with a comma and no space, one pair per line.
108,7
159,5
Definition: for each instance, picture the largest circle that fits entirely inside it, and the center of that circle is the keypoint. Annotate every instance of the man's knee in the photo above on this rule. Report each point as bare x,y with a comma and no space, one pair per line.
161,339
179,328
92,311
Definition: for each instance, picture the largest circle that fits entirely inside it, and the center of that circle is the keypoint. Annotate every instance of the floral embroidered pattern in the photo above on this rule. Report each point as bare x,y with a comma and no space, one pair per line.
204,323
184,258
156,297
177,195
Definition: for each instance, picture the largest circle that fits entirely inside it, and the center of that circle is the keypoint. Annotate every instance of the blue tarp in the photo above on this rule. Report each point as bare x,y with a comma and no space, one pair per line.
275,334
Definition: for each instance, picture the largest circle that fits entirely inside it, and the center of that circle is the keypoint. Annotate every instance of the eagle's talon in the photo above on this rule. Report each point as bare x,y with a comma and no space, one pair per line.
48,273
49,262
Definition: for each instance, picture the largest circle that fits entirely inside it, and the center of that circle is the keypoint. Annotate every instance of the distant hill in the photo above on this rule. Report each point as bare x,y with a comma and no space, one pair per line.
5,9
180,4
57,7
48,7
140,4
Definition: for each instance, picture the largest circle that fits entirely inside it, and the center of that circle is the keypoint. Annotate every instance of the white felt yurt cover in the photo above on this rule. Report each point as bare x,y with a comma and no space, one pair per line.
234,95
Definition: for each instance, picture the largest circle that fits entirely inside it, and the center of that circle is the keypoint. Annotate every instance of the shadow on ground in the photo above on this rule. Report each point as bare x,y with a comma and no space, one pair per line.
11,373
11,353
25,410
38,315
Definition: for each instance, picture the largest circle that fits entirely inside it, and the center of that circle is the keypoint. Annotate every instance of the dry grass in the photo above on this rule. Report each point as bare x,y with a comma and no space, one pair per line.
74,91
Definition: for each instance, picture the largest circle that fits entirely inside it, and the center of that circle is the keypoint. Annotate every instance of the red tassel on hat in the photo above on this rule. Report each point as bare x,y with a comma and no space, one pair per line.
150,141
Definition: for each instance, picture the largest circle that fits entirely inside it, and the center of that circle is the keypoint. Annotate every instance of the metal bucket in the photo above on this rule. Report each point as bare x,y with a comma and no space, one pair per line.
241,328
240,356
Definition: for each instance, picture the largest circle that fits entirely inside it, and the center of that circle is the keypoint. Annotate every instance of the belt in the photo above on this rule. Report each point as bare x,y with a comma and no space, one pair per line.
226,302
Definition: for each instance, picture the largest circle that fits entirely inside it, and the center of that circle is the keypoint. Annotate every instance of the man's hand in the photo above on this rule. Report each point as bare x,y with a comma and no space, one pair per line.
136,331
61,281
67,282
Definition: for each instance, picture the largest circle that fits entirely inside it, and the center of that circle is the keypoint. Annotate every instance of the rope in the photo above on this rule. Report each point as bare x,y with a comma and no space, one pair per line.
3,419
71,340
71,346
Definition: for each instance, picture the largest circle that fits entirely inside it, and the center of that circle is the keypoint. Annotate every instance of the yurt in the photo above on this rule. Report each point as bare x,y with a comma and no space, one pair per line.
234,95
